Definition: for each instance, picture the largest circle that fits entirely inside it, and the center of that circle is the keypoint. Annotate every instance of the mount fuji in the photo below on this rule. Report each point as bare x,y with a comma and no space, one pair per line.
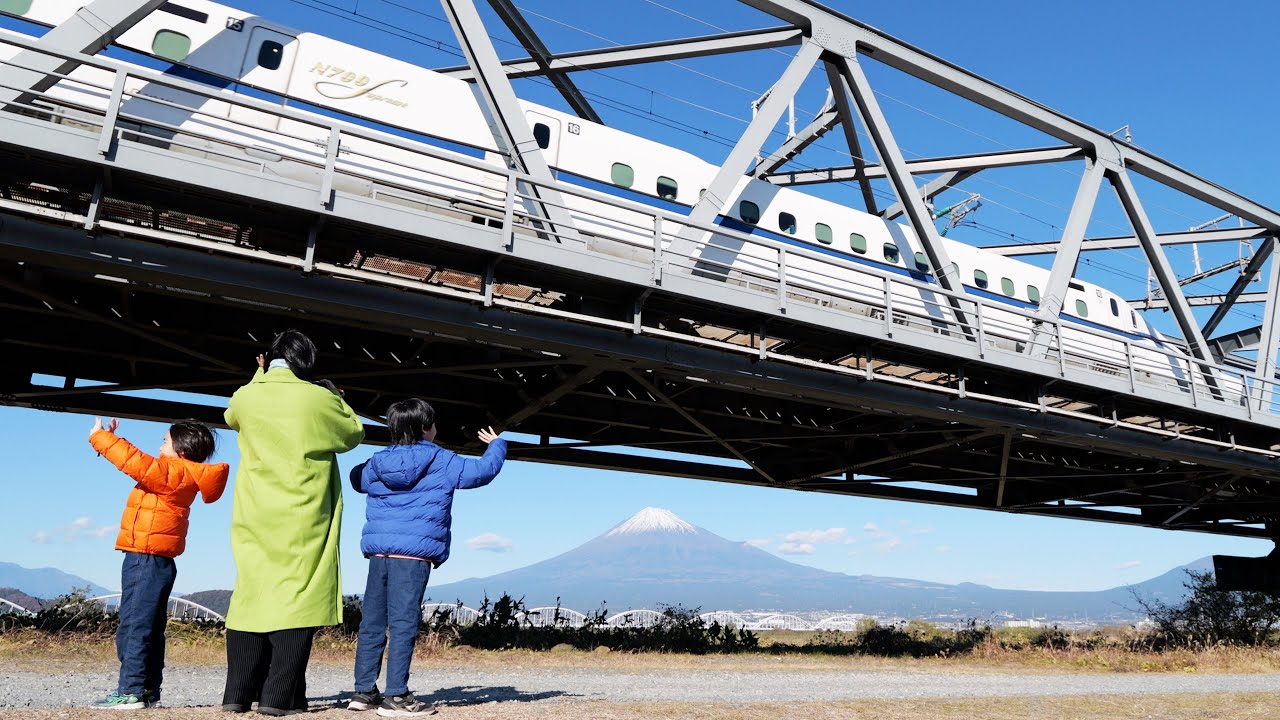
655,559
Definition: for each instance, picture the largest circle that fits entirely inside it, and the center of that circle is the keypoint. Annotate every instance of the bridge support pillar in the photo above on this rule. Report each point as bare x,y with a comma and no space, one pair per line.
1255,574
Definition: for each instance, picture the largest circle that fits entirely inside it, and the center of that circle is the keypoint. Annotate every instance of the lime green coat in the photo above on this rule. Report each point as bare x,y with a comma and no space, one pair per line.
287,509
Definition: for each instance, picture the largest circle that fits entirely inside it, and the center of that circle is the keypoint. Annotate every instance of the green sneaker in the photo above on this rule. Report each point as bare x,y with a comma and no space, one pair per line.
127,701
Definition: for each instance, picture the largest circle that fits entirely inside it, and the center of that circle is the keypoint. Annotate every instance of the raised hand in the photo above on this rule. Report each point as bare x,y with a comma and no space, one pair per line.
111,426
262,362
487,435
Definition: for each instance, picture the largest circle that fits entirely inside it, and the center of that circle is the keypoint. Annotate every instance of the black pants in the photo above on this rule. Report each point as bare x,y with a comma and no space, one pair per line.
270,668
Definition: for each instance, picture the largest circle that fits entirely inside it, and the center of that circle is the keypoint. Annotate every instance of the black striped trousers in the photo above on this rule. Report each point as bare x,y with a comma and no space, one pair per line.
269,668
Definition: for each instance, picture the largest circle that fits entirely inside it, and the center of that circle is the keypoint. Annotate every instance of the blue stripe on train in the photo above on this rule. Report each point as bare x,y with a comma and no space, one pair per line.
740,226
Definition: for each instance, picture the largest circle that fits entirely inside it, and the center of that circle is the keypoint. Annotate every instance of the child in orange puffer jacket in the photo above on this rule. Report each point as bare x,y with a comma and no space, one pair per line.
153,531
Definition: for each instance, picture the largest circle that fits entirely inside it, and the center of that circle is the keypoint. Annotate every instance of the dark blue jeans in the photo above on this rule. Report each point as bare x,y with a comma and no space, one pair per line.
392,602
145,583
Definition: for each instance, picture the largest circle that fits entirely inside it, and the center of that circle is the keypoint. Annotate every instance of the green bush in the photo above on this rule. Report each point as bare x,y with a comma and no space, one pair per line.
504,624
1209,616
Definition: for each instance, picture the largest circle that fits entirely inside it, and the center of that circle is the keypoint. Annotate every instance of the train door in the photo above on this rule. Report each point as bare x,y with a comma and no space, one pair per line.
546,130
267,65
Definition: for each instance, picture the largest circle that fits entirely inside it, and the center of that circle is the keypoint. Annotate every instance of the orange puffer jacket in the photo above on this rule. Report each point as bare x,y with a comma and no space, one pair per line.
155,516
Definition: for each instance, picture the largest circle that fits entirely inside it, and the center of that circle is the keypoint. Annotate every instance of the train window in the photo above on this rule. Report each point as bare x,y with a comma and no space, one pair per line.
857,243
823,233
1007,287
787,223
542,133
622,175
1082,309
980,279
171,45
955,271
890,253
270,53
171,8
1033,294
1115,309
1133,317
922,262
15,7
749,212
667,188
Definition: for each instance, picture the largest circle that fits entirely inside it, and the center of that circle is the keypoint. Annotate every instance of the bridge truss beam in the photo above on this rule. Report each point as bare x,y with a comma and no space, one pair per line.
795,407
92,28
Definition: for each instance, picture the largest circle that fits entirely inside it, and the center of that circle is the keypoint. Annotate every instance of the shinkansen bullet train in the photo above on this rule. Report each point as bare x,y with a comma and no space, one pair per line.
218,45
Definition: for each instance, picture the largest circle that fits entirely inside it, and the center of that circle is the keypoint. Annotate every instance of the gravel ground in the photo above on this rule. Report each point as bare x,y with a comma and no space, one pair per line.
459,686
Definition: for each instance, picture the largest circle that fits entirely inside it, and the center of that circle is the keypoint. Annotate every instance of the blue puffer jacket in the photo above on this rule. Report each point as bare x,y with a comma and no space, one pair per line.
410,489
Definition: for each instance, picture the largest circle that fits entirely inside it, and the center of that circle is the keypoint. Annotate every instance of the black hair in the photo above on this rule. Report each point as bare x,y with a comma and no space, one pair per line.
408,419
192,440
296,349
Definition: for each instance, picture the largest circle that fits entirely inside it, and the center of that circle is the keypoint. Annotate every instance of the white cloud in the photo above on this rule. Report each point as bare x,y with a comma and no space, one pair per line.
943,549
871,527
758,542
491,542
1129,565
887,545
851,541
791,548
921,531
814,537
79,529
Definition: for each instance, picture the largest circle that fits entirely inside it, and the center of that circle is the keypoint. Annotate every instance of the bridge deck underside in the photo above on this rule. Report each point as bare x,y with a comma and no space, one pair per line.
143,314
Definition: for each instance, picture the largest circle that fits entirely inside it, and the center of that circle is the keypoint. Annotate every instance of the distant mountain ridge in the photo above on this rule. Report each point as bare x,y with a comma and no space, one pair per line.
655,558
45,583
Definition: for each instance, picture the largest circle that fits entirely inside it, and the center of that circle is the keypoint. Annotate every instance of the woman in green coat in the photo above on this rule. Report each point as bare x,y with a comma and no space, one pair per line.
284,525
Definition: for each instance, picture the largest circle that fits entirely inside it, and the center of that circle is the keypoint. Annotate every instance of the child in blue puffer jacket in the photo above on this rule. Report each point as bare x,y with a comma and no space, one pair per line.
410,487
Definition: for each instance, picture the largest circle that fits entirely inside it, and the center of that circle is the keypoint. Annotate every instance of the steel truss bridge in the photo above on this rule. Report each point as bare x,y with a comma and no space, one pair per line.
152,257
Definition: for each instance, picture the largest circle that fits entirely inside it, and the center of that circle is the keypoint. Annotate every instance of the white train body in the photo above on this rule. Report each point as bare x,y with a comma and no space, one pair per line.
226,48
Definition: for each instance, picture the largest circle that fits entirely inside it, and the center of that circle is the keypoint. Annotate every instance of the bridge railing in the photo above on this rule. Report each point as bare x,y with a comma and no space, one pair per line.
341,159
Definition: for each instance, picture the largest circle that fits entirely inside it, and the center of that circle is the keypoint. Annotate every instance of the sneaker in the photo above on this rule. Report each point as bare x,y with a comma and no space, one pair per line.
151,698
405,705
127,701
365,700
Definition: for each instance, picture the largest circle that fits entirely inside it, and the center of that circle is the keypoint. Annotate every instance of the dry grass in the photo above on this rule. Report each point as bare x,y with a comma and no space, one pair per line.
1223,706
33,650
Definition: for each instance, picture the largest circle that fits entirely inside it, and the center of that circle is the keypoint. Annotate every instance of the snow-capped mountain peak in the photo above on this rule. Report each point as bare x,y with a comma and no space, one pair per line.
653,519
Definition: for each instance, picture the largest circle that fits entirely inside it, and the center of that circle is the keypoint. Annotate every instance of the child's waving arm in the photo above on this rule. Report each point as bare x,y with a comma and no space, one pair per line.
480,472
148,471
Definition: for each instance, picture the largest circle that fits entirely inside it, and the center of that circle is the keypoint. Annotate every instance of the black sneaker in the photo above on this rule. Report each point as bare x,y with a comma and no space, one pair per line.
365,700
405,705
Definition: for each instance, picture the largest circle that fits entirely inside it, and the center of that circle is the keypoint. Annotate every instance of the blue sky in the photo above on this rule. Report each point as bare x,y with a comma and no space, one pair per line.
1186,81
